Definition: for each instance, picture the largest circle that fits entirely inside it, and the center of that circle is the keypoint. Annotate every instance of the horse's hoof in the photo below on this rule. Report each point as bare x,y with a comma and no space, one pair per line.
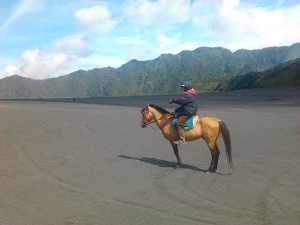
209,171
178,166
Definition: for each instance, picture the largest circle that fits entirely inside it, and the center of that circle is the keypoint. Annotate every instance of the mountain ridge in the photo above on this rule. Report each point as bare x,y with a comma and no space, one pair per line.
283,75
161,75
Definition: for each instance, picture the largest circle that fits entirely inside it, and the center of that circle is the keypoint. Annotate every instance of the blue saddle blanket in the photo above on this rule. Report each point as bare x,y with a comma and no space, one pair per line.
187,124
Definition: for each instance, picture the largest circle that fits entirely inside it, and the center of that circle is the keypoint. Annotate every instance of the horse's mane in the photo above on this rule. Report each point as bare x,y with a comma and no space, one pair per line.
160,109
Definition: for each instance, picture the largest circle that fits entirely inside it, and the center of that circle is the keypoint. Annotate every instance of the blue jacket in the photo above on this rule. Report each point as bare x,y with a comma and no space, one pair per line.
188,102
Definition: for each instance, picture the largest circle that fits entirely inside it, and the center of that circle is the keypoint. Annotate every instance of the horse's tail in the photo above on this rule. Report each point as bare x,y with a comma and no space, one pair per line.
227,141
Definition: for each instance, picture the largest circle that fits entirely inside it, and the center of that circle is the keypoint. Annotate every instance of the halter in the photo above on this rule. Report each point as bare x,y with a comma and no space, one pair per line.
153,121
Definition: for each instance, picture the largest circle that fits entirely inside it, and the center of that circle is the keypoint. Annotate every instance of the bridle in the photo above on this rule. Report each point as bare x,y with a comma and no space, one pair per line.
150,116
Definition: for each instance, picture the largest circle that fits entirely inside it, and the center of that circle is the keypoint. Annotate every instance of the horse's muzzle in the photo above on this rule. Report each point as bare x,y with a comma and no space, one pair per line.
143,125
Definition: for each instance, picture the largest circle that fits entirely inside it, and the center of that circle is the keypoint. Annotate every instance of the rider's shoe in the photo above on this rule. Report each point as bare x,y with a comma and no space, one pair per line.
179,142
181,136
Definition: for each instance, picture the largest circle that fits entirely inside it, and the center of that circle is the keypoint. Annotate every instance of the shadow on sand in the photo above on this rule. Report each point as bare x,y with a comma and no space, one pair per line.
162,163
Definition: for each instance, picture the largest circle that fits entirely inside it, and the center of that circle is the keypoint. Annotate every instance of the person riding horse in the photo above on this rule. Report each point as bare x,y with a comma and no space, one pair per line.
188,108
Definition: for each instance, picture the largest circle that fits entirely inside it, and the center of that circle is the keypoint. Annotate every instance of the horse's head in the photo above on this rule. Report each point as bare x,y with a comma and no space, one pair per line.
147,117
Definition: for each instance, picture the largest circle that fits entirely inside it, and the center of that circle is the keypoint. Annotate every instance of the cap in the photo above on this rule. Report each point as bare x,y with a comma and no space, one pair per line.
187,84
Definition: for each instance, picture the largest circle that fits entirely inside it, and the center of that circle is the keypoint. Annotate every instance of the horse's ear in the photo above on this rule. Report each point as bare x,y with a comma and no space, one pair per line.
145,108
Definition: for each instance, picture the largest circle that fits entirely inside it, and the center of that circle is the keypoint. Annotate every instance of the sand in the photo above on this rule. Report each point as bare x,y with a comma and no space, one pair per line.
73,163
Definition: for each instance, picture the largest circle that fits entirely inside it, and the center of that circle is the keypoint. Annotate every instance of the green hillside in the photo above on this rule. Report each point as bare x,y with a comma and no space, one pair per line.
283,75
209,68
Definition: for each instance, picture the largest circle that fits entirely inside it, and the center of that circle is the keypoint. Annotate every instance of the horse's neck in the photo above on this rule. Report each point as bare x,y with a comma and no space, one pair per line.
159,117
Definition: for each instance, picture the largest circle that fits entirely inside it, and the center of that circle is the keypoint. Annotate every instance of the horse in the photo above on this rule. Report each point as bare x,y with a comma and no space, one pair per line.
205,127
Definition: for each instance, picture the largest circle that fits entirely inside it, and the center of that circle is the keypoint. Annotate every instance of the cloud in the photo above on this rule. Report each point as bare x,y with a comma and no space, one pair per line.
96,19
174,45
185,46
25,6
166,42
146,29
101,61
75,45
161,12
60,57
9,70
42,65
228,6
39,65
236,24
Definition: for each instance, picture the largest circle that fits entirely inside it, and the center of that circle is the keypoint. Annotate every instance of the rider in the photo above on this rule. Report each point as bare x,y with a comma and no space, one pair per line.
188,108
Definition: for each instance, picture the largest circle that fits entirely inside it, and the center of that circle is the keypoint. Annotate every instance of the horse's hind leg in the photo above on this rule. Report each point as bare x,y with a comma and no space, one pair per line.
175,149
214,159
214,150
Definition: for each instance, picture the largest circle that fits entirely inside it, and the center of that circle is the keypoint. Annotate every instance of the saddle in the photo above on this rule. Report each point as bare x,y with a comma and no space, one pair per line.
189,124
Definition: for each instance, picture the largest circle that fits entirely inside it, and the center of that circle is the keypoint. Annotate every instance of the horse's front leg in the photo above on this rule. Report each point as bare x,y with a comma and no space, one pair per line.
175,149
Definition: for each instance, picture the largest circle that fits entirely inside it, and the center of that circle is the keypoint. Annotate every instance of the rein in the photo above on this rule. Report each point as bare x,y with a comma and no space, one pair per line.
158,120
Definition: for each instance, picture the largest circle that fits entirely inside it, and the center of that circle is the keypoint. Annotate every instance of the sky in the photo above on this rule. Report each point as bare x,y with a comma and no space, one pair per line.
42,39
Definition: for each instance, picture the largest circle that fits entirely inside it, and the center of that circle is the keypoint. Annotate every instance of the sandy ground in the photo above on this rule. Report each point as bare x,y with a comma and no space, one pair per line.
64,163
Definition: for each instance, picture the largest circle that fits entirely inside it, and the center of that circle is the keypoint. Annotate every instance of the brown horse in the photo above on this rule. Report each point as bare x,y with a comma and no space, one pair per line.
205,127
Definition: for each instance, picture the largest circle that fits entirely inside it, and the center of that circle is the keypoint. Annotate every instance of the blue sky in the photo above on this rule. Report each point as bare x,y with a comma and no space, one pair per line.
41,39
